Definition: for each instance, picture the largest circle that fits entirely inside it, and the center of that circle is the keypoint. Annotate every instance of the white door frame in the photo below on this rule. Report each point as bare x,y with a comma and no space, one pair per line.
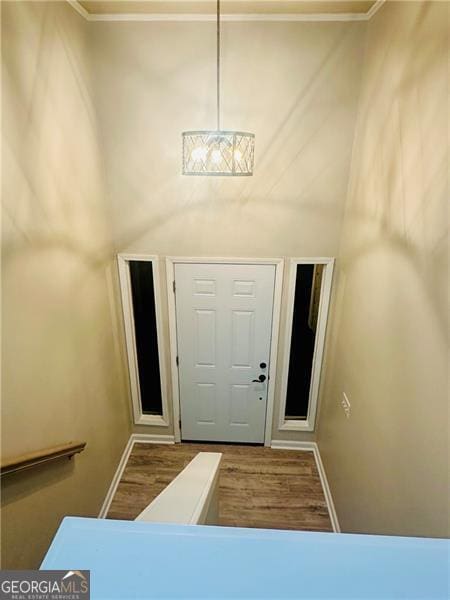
127,310
170,272
325,294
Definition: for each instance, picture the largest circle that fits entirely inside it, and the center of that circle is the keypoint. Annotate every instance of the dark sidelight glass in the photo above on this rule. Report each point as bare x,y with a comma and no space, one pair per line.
145,331
303,337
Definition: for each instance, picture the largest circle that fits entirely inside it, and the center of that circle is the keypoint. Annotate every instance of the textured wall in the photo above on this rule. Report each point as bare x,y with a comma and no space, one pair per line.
388,464
63,377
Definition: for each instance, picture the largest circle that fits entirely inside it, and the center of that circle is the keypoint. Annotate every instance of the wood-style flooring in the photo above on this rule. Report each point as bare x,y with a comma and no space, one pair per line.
259,487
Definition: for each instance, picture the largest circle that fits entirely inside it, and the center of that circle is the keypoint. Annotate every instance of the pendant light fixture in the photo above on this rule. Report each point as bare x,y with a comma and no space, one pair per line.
218,152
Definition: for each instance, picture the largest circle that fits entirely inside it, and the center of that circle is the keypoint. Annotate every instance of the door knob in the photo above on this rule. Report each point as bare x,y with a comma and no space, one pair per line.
261,379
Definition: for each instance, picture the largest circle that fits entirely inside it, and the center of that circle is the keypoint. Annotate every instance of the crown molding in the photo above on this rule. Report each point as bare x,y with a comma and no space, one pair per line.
80,9
193,17
374,9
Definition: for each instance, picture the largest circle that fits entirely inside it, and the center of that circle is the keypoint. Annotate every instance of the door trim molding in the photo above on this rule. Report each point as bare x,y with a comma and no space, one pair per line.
127,310
278,288
316,371
314,448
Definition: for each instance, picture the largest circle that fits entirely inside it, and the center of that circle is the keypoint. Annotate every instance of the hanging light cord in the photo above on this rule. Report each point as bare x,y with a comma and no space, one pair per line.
218,65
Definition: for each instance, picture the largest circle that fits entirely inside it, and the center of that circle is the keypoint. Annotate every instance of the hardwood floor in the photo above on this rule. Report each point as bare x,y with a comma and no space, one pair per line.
259,487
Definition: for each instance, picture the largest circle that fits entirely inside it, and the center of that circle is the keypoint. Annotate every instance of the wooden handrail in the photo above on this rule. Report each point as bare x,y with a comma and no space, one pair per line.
34,459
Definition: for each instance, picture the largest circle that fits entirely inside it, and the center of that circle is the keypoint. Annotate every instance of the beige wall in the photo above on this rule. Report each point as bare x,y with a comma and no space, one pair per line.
388,464
63,377
92,120
295,85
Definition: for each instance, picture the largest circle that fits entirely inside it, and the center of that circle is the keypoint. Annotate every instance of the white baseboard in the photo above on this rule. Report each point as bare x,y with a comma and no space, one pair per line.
115,480
146,438
313,447
149,438
327,491
291,445
141,438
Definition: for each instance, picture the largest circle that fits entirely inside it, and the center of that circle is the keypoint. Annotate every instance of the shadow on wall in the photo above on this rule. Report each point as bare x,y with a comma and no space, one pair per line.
63,374
387,463
402,178
303,126
53,193
20,485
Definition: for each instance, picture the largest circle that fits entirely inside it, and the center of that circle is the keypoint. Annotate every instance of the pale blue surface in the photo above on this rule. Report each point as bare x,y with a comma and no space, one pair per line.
131,559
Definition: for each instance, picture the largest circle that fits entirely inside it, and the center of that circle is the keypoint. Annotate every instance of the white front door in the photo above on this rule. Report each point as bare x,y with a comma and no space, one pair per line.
224,324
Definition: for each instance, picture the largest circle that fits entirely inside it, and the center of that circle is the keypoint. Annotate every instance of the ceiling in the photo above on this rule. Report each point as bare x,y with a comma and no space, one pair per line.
263,7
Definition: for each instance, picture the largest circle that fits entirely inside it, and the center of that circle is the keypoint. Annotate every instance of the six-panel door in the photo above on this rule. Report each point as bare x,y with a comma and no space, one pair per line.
224,323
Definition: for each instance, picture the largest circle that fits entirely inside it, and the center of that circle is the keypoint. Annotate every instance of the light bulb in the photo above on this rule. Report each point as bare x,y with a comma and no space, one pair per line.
216,156
237,155
199,153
